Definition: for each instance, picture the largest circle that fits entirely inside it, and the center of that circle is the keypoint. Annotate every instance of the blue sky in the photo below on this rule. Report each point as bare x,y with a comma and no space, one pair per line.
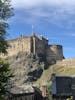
54,19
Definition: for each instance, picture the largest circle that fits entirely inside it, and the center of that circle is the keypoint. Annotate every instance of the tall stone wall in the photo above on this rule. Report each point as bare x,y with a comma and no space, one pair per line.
40,45
36,45
22,44
54,52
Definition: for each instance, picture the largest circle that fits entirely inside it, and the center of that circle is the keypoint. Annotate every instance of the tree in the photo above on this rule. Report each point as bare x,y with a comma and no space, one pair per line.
4,76
6,11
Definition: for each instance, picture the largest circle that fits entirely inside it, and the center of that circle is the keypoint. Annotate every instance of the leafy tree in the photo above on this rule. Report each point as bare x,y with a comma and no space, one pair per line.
6,11
5,14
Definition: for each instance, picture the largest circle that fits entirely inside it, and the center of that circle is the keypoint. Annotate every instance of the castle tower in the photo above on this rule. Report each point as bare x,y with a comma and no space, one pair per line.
38,45
33,43
54,53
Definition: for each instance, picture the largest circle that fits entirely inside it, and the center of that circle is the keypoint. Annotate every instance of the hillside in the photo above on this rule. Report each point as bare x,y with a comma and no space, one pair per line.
28,69
25,68
65,67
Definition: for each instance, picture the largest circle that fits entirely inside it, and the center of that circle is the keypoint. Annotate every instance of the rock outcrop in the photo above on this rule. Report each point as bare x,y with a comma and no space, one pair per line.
25,68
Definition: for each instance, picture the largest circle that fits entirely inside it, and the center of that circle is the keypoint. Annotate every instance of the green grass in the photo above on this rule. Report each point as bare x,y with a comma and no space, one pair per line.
59,69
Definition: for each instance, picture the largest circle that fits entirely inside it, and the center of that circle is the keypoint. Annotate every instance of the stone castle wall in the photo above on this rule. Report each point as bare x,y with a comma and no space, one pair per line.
22,44
54,52
40,45
36,45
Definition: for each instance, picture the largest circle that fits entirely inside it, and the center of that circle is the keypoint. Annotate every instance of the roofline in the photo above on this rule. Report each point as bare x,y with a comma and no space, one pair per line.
18,38
20,94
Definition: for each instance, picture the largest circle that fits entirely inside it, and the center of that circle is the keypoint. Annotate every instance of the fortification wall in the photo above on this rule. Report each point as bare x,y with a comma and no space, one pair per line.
67,63
22,44
41,44
54,52
36,45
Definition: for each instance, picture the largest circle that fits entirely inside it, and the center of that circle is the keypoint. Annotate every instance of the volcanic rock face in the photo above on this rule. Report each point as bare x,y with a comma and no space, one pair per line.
25,68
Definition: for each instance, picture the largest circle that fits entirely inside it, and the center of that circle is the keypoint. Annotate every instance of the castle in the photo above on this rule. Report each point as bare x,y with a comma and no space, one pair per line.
38,45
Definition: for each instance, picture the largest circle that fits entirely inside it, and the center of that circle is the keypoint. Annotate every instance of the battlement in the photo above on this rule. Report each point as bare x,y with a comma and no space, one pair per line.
38,45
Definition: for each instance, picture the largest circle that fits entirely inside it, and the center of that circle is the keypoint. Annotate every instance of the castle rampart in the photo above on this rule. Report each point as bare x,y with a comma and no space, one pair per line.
38,45
22,44
54,52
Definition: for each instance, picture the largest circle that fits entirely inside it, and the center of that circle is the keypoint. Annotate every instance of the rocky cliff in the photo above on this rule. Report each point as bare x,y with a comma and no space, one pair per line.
26,68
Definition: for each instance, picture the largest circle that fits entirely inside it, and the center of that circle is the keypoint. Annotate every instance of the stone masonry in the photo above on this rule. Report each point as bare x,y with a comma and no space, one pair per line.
38,45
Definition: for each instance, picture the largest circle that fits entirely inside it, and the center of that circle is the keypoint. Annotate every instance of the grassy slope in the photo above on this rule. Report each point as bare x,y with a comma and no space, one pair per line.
61,69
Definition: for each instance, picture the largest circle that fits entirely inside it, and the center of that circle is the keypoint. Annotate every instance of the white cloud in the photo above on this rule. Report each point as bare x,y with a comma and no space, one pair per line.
72,35
58,12
31,3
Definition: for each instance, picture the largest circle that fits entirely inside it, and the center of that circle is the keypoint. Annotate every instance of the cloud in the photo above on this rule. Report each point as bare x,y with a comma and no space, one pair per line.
58,12
72,35
31,3
69,35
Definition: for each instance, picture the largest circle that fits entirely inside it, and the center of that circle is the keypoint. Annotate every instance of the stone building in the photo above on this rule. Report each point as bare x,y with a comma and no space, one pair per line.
38,45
